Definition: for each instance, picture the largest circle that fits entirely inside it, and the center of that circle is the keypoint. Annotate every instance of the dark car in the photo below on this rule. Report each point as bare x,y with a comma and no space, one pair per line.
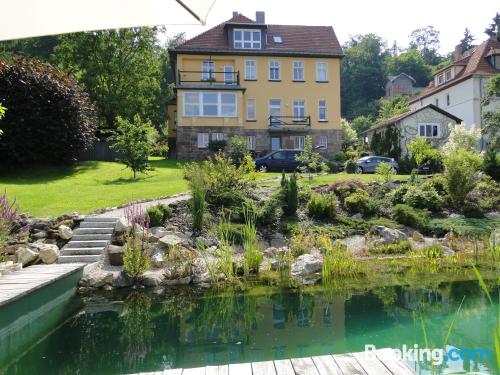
369,164
284,160
431,167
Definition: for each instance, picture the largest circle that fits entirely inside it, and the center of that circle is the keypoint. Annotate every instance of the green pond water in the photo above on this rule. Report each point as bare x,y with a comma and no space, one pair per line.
138,332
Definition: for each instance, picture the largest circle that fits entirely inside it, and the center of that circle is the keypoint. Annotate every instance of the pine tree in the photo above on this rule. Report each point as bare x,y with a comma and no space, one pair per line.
466,42
494,29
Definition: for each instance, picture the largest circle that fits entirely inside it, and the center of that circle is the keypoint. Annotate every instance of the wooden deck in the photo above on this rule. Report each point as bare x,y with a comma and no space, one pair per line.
21,283
384,362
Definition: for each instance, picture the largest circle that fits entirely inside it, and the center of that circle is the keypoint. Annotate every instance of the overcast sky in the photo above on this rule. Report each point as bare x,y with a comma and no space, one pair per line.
392,20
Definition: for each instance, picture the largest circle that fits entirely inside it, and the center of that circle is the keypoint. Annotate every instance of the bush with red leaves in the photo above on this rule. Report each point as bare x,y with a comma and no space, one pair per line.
50,119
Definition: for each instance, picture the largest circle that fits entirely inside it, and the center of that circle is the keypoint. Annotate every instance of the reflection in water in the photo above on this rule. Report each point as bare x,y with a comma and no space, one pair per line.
194,328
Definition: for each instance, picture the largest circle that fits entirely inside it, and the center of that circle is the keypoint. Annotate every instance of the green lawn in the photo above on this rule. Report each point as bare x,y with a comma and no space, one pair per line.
51,191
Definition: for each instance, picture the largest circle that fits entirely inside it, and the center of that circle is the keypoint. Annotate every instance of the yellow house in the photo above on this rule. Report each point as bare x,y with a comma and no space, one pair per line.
273,84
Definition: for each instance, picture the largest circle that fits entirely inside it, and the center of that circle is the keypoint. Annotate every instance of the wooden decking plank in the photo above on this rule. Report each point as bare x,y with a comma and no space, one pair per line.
263,368
223,370
194,371
348,365
326,365
240,369
395,364
174,371
371,364
283,367
212,370
304,366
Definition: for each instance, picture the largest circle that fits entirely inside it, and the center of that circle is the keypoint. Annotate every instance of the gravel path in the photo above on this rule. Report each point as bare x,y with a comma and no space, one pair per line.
120,211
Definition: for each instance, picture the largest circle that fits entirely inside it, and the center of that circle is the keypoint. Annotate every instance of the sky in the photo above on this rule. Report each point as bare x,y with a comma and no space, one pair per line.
392,20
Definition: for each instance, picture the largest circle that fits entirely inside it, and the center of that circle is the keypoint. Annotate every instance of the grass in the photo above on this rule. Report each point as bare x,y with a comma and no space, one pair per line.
87,186
464,227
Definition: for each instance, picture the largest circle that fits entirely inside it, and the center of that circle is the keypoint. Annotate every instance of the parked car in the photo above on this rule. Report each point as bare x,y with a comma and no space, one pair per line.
368,164
284,160
434,166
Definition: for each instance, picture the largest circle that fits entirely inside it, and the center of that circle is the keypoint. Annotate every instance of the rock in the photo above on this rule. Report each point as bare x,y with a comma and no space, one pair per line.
25,256
277,240
306,265
122,225
388,235
172,239
48,253
357,216
447,250
152,278
355,244
417,236
115,255
65,232
199,270
39,234
121,280
157,232
456,216
272,252
158,260
181,281
40,224
492,215
95,277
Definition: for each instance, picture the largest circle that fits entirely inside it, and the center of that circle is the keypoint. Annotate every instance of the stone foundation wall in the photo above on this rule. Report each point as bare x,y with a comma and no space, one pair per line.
187,139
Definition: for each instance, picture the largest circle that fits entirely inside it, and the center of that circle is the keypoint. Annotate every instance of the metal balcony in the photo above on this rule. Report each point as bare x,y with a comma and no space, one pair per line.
208,78
289,121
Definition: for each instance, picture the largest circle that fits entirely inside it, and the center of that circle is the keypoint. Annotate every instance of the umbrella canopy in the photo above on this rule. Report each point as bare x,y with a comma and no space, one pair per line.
31,18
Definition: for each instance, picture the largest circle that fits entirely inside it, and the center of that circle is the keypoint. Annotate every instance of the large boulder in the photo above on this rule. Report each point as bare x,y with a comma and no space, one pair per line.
306,264
171,240
48,253
122,225
387,235
122,280
158,260
157,233
25,256
152,278
65,232
115,255
95,277
39,234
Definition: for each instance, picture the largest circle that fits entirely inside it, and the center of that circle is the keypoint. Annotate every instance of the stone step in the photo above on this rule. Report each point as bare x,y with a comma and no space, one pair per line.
78,258
97,243
91,237
97,224
93,219
83,251
79,231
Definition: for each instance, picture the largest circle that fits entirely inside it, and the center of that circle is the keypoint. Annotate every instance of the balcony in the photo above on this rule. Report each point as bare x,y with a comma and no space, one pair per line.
289,123
206,79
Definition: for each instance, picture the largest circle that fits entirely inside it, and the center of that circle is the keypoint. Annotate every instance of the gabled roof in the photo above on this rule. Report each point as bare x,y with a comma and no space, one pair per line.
475,63
392,78
299,40
396,119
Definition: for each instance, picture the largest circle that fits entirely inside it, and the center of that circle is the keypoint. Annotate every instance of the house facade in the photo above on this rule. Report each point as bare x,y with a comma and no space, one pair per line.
399,85
429,122
273,84
460,87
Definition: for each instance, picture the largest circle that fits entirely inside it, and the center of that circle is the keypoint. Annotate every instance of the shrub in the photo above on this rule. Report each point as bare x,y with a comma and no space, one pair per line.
238,149
438,182
217,145
50,118
133,143
386,171
301,243
343,188
410,216
485,195
159,149
322,205
423,196
423,152
158,214
358,202
396,196
491,163
407,164
401,247
340,157
472,211
289,194
350,166
460,168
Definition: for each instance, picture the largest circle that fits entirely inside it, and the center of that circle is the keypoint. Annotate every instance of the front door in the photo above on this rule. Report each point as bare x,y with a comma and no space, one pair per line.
275,143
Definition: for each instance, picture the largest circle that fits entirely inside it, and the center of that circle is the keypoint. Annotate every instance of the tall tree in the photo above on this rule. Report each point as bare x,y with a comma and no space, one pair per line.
493,30
392,107
426,41
362,75
41,47
491,128
466,42
410,62
121,69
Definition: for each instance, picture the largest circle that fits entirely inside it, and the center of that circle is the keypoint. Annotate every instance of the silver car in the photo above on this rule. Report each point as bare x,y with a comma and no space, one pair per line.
368,164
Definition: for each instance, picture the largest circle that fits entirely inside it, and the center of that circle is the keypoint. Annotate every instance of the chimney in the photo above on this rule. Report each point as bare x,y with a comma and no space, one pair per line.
260,17
235,14
458,52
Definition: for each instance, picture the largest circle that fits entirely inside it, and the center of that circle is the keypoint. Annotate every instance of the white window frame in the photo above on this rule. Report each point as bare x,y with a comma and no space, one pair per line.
446,78
251,69
318,65
251,104
424,126
324,107
217,136
274,64
299,142
299,105
440,79
251,139
202,140
274,107
220,105
207,74
229,73
298,67
240,43
323,142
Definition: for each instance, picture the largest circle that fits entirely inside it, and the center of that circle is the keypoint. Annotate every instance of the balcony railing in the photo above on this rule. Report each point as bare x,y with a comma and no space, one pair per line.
200,77
278,121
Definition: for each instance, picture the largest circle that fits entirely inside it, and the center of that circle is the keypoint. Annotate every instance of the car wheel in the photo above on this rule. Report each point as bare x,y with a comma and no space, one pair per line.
263,168
359,170
394,170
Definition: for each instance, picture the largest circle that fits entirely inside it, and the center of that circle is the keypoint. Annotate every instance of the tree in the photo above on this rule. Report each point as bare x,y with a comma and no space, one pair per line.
133,143
466,42
393,107
238,149
122,70
423,152
50,118
460,168
362,75
412,63
493,30
361,123
309,159
491,126
387,142
349,135
426,41
41,48
461,139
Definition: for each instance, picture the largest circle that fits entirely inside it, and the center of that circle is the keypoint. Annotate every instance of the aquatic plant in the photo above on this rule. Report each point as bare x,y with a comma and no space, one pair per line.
198,204
337,261
225,262
136,256
253,251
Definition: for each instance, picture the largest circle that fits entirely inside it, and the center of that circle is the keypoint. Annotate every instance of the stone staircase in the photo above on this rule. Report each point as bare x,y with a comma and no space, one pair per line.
89,241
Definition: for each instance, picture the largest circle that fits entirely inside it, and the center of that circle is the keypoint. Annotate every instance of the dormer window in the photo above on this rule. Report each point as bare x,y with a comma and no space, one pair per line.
447,75
246,39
